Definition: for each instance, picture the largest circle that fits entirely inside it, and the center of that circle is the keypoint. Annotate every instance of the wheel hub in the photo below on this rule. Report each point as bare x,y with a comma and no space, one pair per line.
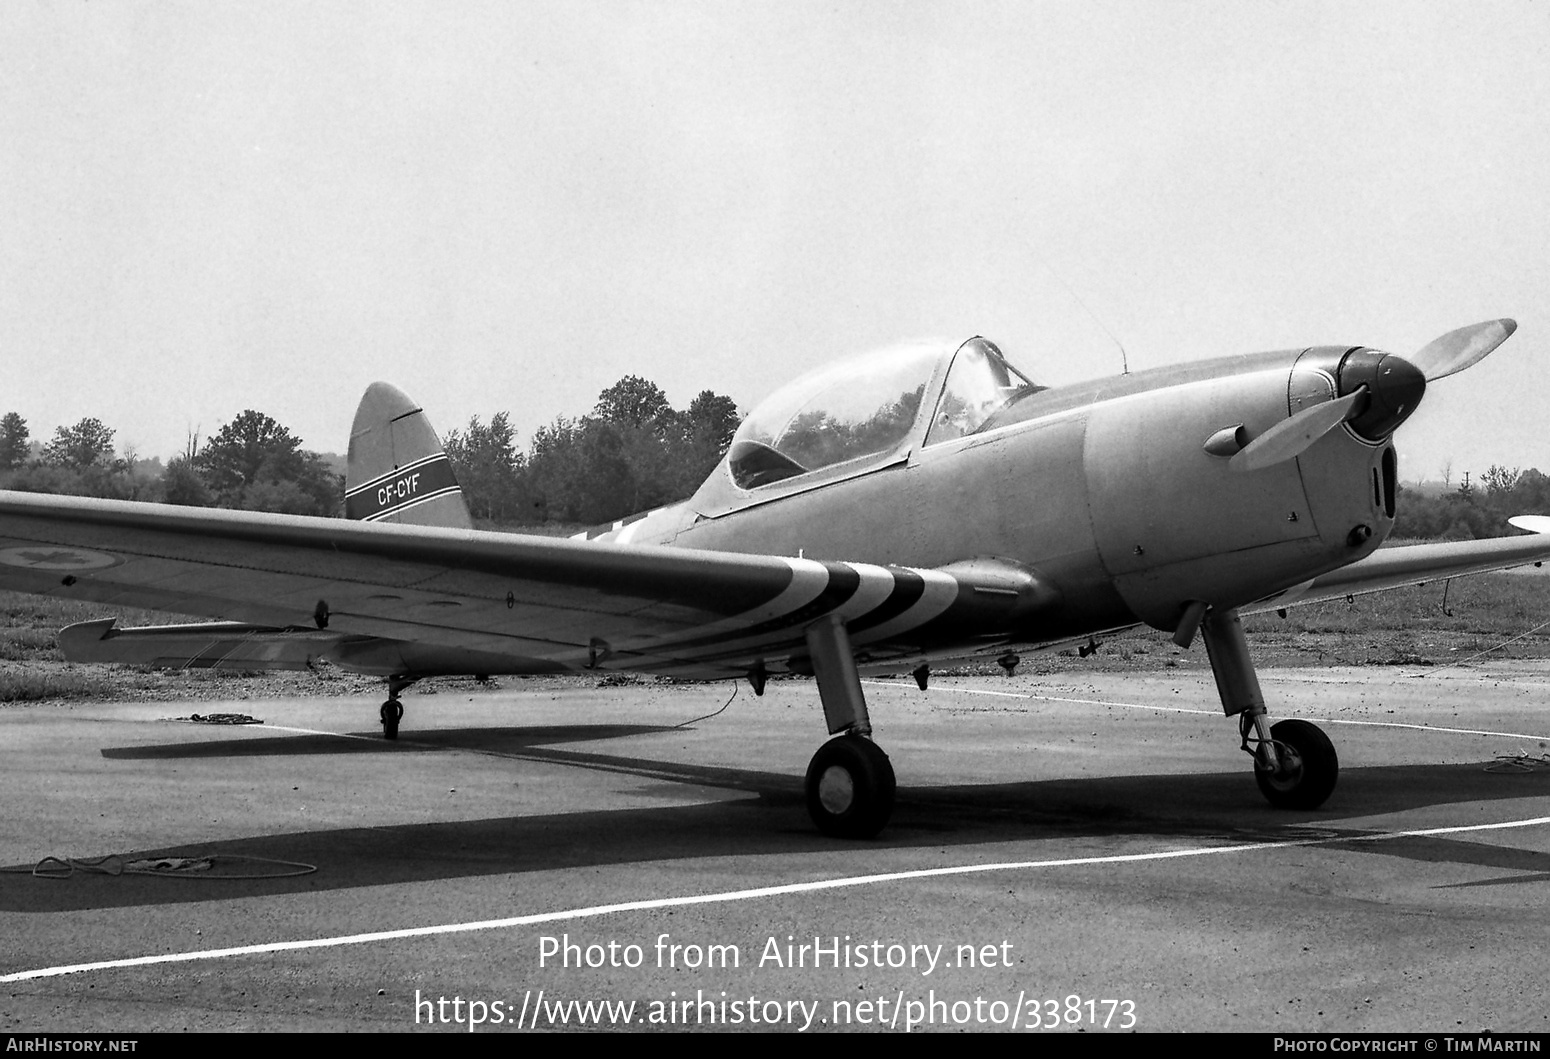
1289,774
836,790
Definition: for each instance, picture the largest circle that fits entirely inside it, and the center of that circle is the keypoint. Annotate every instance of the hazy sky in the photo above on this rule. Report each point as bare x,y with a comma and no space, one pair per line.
209,207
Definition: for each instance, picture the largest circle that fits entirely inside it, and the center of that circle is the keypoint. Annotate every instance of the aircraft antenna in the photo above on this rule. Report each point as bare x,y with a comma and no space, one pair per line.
1124,359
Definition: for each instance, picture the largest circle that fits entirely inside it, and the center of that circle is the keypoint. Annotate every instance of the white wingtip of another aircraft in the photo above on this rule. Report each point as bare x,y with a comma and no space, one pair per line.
1532,523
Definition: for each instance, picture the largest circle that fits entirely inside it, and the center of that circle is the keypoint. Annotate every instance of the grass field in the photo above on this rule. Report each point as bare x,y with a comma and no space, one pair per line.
1413,625
1404,627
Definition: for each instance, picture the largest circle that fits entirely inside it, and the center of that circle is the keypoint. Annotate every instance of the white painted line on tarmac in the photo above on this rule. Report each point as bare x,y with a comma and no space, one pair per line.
739,895
1217,713
318,731
967,691
1128,705
1432,728
1322,720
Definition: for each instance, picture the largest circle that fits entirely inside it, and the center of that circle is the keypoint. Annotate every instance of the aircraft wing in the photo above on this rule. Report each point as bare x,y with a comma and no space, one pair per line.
1418,564
455,600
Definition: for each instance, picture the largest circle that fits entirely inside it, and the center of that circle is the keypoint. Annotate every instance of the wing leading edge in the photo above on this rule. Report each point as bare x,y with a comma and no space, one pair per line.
1418,564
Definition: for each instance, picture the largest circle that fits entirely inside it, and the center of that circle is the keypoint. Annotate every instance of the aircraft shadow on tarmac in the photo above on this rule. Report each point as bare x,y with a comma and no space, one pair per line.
289,745
1219,807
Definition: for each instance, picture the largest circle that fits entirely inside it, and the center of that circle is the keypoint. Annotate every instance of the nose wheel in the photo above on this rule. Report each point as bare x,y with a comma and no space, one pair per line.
1298,768
850,787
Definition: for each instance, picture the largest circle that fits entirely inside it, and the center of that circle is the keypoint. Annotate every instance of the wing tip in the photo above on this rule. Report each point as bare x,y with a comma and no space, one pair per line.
1531,523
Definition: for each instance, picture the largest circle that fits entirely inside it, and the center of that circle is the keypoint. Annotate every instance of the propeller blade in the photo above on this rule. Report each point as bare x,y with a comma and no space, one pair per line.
1457,350
1294,434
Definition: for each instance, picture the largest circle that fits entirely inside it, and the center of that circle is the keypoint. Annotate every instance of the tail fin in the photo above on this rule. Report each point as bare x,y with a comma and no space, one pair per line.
398,471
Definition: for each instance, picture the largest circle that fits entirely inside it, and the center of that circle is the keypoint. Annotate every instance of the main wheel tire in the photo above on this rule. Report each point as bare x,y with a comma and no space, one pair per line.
392,712
850,788
1308,769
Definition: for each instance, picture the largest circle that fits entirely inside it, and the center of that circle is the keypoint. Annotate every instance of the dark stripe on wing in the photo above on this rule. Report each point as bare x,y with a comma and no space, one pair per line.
908,587
843,583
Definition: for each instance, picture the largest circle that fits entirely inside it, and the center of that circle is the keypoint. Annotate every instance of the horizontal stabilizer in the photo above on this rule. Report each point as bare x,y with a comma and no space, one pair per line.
212,645
239,646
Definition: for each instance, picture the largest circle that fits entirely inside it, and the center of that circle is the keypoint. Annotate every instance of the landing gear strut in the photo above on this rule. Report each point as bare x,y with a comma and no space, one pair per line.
1295,764
850,782
392,710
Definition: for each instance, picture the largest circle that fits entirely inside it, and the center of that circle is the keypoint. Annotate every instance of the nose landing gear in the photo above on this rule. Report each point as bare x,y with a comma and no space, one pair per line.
1295,764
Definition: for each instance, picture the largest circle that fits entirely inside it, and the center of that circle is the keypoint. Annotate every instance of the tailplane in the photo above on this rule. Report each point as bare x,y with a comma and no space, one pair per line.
398,471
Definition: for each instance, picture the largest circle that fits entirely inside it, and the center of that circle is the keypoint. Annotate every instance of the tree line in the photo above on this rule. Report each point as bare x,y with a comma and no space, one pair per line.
1476,509
632,452
251,464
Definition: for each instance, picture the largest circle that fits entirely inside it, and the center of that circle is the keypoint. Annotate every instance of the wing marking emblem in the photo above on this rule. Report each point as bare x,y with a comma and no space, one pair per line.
55,558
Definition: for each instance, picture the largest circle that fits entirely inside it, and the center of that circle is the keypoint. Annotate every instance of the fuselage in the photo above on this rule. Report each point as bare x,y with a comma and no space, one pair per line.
1105,492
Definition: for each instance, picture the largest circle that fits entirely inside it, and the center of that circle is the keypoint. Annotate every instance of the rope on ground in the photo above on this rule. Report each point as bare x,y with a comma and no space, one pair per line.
708,716
197,867
1519,762
1488,650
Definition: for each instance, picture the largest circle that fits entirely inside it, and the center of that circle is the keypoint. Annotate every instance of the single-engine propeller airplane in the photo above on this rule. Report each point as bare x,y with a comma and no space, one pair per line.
886,512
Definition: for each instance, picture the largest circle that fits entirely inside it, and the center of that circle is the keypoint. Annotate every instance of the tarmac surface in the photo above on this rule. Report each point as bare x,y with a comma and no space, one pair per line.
1070,852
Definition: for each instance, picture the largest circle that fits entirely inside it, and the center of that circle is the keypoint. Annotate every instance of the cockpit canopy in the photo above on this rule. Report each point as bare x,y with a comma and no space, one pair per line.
866,409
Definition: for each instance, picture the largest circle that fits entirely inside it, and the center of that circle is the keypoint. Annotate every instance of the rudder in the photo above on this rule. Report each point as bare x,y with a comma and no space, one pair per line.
397,470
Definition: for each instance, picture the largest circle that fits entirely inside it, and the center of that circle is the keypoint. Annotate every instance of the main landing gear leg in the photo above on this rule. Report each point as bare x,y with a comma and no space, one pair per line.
850,781
392,710
1294,762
